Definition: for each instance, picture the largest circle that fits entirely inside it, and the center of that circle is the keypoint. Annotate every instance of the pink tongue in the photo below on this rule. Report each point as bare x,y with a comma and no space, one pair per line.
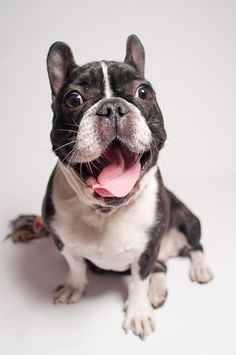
116,179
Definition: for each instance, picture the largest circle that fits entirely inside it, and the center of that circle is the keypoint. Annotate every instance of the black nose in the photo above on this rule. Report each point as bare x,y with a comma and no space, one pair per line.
112,108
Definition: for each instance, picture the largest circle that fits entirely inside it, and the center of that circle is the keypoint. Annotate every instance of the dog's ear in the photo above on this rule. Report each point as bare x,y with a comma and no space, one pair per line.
135,54
60,60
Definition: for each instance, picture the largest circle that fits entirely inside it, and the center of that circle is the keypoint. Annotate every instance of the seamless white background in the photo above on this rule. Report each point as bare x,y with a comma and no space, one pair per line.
190,60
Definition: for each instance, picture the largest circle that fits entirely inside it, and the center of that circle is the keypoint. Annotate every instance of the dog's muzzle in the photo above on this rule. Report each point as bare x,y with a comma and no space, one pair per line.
122,138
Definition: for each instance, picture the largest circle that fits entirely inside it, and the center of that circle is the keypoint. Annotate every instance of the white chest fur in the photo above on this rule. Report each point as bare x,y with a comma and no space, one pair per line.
111,242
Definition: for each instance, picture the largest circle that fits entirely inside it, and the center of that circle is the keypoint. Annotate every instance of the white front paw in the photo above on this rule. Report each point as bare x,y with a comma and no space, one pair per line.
139,318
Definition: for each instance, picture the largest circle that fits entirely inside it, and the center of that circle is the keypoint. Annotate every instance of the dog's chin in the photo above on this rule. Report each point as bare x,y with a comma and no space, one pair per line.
113,177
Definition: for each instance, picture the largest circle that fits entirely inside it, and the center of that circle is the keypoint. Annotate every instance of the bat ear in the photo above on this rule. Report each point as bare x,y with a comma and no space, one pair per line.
60,60
135,55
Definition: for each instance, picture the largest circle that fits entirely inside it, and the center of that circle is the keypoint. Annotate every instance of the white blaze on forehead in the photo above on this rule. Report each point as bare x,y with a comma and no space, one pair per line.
107,88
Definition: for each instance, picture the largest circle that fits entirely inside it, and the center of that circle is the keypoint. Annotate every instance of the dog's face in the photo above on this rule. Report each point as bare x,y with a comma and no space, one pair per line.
107,125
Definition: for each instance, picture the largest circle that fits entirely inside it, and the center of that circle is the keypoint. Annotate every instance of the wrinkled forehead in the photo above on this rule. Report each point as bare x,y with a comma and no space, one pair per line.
108,77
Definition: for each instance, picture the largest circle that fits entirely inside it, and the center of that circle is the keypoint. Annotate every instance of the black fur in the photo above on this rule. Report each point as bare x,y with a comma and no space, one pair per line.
186,222
48,211
171,213
159,267
148,258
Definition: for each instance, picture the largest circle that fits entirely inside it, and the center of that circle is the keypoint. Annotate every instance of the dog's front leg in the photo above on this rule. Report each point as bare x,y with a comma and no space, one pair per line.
75,282
139,312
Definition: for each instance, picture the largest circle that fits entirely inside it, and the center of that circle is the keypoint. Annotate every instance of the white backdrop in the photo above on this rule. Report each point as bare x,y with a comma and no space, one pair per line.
190,60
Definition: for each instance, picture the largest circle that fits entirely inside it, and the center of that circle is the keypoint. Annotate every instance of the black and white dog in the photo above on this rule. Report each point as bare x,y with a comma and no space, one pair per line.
105,203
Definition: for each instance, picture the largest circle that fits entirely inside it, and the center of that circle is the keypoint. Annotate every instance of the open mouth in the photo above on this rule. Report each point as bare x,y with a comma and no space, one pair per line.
115,172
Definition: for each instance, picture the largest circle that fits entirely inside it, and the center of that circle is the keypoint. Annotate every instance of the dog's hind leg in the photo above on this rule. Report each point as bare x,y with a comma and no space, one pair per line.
186,242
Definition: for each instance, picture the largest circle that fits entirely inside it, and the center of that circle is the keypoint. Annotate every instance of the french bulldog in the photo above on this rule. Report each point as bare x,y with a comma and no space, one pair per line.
105,203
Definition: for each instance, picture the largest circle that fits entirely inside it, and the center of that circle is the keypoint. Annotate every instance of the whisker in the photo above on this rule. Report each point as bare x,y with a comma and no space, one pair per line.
68,154
80,169
64,145
89,167
92,162
71,158
99,161
72,170
66,130
71,124
75,123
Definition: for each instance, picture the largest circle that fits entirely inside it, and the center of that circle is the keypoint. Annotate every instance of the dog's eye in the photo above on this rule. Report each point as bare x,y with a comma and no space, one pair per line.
144,92
73,99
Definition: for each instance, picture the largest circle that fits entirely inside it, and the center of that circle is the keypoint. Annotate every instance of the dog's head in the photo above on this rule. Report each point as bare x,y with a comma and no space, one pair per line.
107,126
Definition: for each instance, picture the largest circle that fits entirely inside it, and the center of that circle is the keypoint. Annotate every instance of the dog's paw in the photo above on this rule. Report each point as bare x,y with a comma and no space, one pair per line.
67,294
157,289
200,273
139,318
199,270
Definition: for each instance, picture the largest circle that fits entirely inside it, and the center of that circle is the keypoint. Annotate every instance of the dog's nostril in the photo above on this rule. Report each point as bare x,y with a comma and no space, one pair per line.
114,108
122,109
104,110
108,112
